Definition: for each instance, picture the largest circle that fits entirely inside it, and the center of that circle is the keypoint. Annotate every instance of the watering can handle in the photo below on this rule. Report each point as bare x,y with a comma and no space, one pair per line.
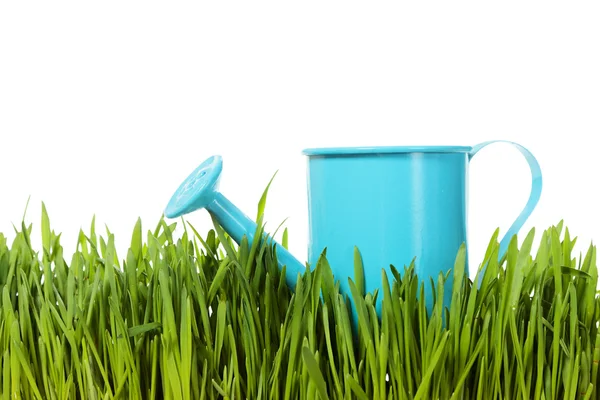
534,196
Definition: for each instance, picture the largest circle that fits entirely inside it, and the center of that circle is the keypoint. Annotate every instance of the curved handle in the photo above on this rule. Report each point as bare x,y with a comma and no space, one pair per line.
534,196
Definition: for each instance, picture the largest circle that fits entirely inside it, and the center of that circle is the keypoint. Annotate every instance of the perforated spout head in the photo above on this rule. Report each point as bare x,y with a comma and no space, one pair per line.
198,190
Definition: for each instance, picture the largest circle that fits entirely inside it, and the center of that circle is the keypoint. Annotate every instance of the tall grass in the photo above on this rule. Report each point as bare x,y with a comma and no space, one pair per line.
199,317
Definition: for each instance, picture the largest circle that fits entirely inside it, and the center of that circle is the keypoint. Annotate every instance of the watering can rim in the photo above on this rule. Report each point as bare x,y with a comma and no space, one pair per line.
321,151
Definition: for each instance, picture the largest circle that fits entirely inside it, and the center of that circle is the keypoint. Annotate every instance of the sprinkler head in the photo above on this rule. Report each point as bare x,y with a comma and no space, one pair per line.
198,190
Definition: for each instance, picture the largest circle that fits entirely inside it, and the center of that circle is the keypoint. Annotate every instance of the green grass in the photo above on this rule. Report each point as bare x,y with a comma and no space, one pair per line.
198,317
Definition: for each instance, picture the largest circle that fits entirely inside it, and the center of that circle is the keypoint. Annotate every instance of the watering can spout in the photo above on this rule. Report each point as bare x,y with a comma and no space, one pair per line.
200,190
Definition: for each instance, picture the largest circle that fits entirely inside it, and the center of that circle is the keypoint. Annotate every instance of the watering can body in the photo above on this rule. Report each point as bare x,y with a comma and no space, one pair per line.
395,204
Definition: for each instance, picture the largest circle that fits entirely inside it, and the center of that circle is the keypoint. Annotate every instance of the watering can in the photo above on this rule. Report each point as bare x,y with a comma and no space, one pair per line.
395,204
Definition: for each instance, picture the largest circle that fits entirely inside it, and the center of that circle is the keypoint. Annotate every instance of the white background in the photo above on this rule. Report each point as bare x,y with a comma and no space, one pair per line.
106,107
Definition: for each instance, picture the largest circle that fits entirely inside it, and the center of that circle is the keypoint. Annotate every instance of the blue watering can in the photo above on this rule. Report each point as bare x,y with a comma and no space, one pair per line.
393,203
